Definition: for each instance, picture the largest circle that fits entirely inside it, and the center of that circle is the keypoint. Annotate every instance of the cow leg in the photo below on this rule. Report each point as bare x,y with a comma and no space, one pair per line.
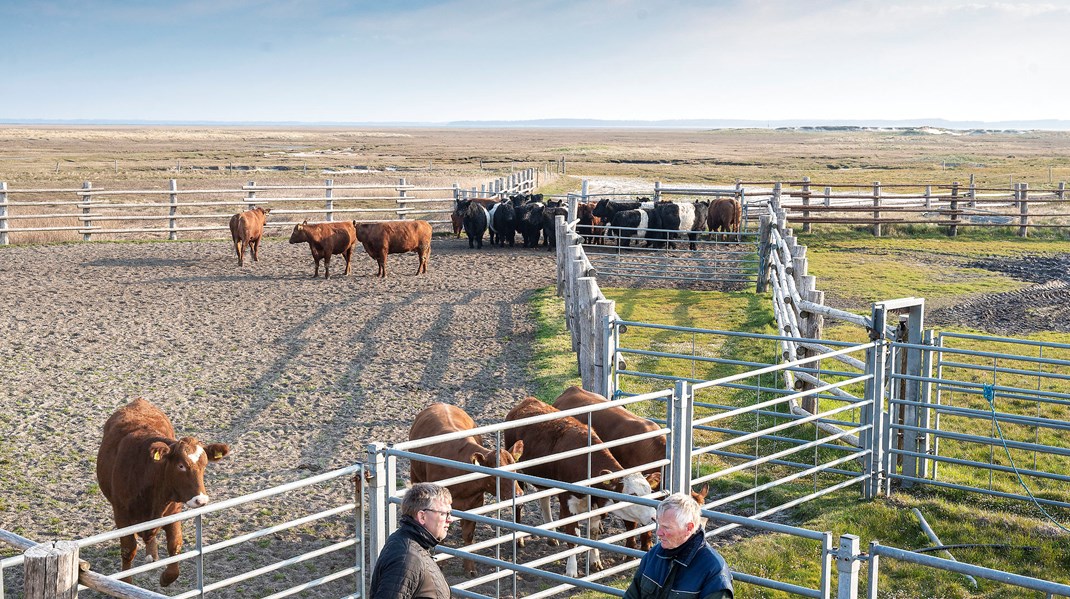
173,532
254,245
381,259
128,546
425,253
326,265
468,533
348,255
316,273
151,548
240,251
517,514
547,516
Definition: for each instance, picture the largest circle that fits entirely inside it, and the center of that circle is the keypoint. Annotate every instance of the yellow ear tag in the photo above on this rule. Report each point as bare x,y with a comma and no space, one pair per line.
219,455
156,455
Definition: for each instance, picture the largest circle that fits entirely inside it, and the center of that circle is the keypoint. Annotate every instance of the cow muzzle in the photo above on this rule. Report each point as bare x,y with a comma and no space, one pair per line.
197,501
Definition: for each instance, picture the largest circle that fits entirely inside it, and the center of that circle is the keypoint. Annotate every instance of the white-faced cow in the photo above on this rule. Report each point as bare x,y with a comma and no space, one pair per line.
145,473
561,435
440,419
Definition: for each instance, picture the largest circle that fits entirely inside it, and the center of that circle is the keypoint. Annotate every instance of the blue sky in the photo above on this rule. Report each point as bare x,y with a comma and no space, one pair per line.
437,61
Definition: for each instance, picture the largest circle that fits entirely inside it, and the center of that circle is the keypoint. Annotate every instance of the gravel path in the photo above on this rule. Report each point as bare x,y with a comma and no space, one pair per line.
296,374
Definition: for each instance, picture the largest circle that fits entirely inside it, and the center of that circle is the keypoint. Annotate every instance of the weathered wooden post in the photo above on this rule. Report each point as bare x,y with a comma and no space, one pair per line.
953,230
972,193
87,207
765,223
1023,221
250,200
3,213
328,186
928,197
172,233
806,203
1062,190
877,206
401,199
51,570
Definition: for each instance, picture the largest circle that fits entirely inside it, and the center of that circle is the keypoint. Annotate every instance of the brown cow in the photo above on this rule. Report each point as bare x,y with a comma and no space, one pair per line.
440,419
457,220
724,215
146,474
616,423
246,228
590,226
396,237
325,240
557,436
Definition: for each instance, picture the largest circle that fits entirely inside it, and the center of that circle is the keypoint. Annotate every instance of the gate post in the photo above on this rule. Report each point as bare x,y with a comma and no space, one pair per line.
51,570
377,498
848,565
681,414
764,223
603,356
873,411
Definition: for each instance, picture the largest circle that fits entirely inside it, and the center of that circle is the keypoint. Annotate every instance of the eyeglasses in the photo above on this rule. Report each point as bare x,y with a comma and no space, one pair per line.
445,513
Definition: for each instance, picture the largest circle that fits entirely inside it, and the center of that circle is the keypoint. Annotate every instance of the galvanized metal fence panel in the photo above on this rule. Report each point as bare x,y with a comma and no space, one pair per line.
994,418
335,517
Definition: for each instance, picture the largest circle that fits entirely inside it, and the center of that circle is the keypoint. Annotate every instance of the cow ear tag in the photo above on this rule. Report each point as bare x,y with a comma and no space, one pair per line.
218,455
156,455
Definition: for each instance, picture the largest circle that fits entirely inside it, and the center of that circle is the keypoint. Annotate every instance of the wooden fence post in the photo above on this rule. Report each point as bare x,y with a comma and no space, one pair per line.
657,192
928,197
3,213
51,570
1062,190
972,193
877,205
87,207
1023,221
805,203
250,201
328,185
953,230
765,223
401,198
172,233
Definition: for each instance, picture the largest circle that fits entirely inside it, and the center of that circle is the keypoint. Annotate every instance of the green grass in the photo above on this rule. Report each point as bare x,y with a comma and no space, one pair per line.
865,269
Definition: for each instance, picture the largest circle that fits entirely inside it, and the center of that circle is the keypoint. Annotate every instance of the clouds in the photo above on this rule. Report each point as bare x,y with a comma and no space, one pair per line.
337,60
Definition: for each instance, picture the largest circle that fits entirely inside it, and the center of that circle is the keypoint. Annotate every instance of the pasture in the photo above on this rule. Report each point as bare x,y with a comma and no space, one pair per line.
297,374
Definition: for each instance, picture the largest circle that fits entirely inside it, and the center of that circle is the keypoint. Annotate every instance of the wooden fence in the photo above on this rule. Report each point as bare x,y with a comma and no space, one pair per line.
951,205
171,212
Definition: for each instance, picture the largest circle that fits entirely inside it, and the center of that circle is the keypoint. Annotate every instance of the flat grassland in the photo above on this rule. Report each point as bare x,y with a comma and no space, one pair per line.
35,156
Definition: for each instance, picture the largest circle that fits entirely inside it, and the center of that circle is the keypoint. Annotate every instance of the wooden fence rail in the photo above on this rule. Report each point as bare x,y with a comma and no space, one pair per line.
167,213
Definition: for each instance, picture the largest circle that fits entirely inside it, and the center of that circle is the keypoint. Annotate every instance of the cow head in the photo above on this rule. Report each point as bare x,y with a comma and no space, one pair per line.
700,498
182,465
504,458
299,235
636,484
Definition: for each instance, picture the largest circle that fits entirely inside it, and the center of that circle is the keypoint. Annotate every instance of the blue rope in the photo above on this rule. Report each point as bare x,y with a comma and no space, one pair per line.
989,392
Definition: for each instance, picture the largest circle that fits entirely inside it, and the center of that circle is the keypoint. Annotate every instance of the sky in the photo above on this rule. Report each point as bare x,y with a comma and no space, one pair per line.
440,61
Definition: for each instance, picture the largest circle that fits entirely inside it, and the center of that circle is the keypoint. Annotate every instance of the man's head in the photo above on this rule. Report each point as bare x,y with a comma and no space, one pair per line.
429,504
678,519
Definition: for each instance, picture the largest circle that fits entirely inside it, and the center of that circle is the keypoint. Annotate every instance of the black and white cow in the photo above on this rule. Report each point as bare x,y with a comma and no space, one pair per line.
626,224
550,211
529,222
474,218
679,219
606,208
503,224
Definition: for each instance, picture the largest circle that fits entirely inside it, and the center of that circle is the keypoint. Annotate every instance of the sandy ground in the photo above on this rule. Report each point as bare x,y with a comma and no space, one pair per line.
296,374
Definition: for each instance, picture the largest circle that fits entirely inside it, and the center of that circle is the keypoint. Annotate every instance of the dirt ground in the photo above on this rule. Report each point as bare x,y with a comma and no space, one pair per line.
296,374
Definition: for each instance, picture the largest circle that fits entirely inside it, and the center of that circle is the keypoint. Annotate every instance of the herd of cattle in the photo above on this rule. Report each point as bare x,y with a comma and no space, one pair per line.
145,472
333,238
604,221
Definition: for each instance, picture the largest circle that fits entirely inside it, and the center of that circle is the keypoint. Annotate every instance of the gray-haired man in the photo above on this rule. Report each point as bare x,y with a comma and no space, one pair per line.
681,562
405,569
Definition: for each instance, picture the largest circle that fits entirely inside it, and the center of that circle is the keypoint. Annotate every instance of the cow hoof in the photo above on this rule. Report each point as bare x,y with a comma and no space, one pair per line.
470,574
169,575
553,542
597,566
521,542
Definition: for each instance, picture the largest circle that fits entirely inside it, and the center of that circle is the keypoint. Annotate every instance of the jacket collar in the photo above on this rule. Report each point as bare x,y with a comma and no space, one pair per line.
418,532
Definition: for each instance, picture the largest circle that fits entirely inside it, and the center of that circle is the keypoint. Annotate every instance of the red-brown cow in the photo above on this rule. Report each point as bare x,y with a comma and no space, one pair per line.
616,423
246,228
590,226
724,215
440,419
557,436
326,240
146,474
396,237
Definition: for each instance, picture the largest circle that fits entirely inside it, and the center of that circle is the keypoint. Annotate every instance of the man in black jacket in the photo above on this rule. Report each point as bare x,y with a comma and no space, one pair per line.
405,569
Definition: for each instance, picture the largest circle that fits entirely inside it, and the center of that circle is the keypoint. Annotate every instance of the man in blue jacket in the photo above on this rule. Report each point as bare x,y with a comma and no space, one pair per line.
681,564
